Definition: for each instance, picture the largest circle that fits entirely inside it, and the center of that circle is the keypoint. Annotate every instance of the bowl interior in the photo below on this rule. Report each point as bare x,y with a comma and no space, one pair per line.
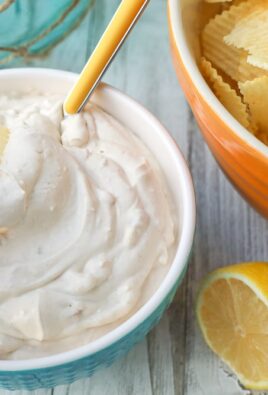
187,18
195,14
152,133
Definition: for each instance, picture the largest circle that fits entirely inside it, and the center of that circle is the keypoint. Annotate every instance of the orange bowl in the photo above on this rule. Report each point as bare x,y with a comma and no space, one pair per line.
242,157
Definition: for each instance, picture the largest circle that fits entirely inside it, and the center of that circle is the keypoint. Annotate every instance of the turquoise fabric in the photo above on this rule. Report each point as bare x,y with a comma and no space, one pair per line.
31,27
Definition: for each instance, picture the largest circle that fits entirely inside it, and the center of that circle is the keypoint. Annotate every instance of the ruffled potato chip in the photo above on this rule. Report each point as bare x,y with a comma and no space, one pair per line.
224,57
255,94
235,49
250,33
4,136
246,71
227,96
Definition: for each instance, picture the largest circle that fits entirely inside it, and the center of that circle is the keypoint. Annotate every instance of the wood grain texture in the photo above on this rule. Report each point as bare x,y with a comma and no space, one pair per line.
173,360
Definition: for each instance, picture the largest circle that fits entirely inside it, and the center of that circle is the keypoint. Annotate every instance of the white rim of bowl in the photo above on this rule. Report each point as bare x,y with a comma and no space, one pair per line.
200,83
178,265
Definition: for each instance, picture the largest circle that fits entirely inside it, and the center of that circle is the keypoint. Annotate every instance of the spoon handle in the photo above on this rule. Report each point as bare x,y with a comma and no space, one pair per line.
123,20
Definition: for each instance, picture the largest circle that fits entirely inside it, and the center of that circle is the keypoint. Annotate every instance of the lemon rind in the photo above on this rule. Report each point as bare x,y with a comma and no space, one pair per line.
226,273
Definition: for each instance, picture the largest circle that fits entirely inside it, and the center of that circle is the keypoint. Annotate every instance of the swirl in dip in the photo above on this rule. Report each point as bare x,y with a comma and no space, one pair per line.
86,226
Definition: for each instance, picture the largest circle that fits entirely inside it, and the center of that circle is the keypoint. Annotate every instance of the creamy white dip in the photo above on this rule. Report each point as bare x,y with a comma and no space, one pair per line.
86,226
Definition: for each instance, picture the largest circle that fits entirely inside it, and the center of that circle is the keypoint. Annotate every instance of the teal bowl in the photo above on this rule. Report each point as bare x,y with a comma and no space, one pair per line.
64,368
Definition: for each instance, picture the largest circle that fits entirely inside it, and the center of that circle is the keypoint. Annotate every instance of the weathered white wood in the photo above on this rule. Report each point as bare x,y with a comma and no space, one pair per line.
173,359
227,231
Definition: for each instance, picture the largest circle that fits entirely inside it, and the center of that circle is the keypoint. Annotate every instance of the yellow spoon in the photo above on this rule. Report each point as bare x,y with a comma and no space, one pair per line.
124,19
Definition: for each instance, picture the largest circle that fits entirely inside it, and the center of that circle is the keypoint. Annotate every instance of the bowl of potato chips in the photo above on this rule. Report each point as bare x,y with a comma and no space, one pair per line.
220,52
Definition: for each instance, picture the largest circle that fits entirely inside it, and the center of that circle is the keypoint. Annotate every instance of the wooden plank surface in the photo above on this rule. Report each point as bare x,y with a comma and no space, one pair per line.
173,359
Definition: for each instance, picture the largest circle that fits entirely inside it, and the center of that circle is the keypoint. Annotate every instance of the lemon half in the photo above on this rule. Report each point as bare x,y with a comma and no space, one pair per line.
232,311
